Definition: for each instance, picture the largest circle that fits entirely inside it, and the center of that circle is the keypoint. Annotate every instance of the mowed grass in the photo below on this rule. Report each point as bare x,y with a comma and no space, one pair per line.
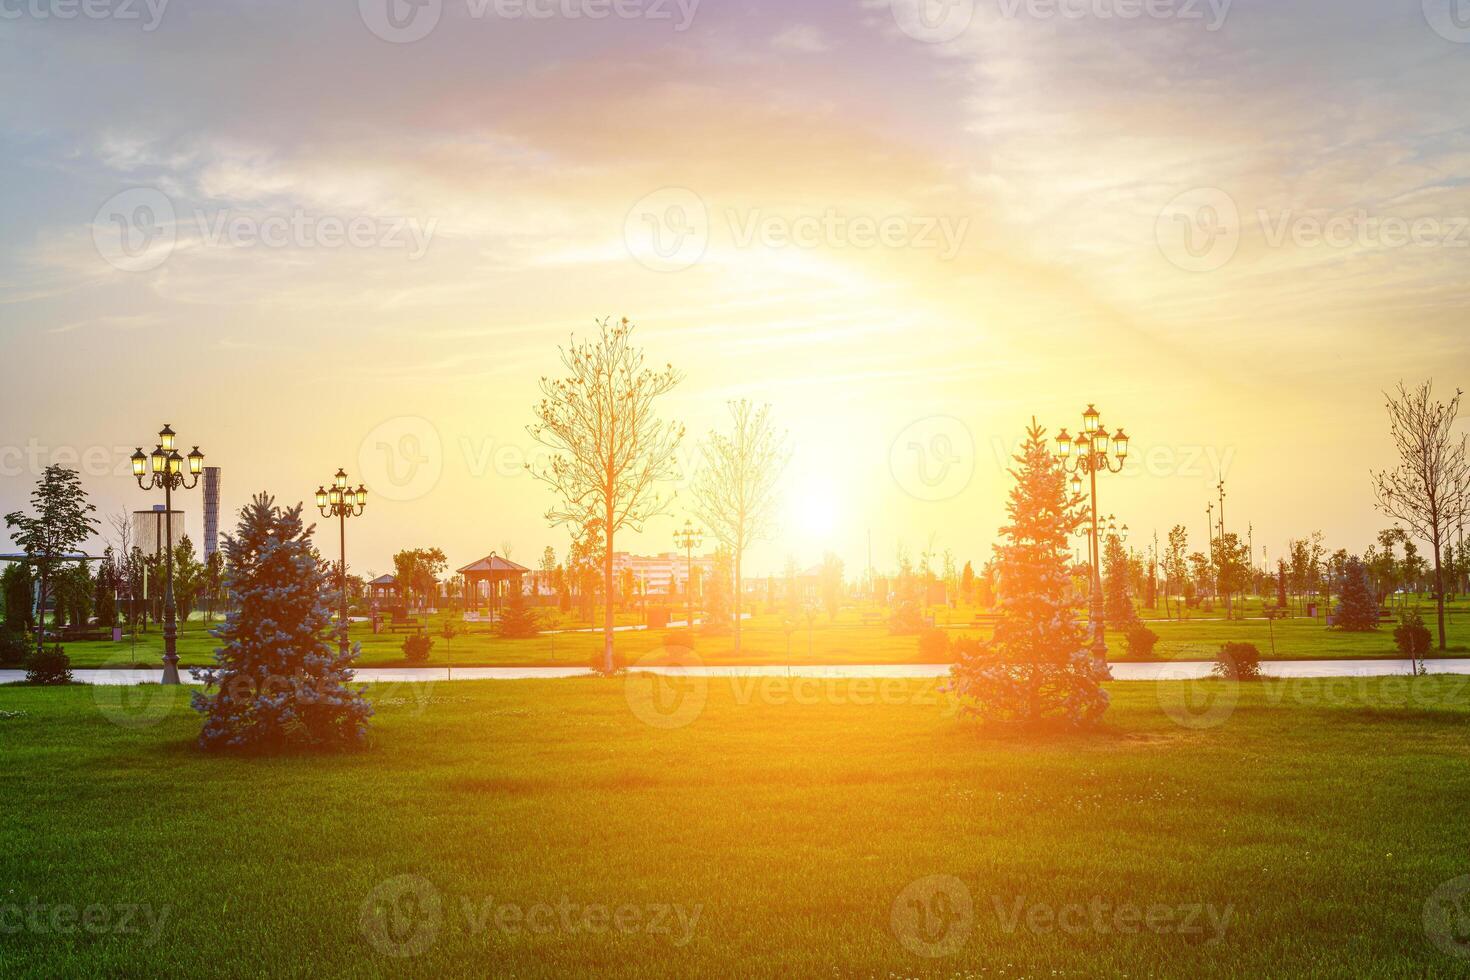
792,820
856,636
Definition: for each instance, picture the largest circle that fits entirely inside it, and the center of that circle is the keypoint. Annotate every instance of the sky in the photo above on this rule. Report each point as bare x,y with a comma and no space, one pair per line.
355,233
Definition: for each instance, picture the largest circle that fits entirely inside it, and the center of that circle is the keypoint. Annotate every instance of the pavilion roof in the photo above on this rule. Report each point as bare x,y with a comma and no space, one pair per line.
493,563
384,580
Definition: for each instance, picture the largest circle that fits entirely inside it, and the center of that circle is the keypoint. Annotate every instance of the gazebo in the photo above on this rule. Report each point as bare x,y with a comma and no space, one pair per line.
484,579
384,588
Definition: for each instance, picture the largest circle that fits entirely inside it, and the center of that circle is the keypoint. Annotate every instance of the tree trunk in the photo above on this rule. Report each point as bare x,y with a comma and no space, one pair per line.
607,604
737,603
41,613
1439,595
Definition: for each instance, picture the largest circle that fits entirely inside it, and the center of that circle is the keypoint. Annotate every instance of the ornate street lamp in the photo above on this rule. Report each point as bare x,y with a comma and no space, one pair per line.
165,468
689,537
1091,452
342,502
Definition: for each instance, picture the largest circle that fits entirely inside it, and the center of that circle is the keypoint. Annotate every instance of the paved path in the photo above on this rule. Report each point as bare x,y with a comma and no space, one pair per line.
1168,670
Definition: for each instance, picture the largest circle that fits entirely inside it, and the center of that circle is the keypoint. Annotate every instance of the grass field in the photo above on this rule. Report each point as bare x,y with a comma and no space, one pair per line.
855,637
540,828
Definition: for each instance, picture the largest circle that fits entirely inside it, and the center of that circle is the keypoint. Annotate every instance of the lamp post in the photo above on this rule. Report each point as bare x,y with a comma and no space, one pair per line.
342,502
689,537
164,468
1089,453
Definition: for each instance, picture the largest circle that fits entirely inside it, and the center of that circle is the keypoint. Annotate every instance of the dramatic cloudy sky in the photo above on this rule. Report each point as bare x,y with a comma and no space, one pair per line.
344,233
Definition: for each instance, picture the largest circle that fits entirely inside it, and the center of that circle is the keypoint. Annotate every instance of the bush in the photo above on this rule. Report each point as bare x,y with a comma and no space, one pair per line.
416,647
934,645
15,646
1412,637
1238,661
1141,640
49,667
907,620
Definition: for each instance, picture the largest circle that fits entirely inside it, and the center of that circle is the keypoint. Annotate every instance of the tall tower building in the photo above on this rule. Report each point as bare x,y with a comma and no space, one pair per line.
211,510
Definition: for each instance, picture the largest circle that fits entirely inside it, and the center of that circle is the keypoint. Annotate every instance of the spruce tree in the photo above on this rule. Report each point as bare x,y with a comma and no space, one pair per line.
1036,668
282,681
1119,609
517,620
1357,610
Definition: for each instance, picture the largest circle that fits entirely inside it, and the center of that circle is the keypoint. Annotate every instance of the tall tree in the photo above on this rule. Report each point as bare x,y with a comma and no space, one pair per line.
1429,491
610,453
735,486
61,522
417,571
831,584
1037,667
1119,603
1176,562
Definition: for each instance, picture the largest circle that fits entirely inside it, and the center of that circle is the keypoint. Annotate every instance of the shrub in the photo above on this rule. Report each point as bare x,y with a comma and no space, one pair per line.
934,645
15,646
1238,661
1141,641
907,619
1412,637
49,667
416,647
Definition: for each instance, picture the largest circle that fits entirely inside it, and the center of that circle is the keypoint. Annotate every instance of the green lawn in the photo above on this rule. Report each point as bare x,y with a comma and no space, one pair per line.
792,833
856,637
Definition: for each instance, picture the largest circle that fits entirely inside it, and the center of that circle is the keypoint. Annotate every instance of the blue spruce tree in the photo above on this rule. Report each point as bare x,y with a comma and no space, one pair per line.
1357,609
282,684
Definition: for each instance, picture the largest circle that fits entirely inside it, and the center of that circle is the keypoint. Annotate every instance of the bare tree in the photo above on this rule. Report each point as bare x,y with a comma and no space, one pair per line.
609,450
735,487
1430,490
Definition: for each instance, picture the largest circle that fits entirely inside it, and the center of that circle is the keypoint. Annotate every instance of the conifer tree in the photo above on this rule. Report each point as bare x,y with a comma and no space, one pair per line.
282,681
1119,610
1037,668
1357,610
518,620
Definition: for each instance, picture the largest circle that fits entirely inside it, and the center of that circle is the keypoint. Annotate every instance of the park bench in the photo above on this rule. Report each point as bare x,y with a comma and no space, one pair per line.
402,621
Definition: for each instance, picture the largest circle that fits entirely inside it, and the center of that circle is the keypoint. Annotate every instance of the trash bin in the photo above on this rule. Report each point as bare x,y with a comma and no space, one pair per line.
1312,610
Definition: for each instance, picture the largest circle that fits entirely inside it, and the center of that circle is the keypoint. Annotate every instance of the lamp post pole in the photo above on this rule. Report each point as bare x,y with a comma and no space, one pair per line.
1089,453
164,467
341,502
689,537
